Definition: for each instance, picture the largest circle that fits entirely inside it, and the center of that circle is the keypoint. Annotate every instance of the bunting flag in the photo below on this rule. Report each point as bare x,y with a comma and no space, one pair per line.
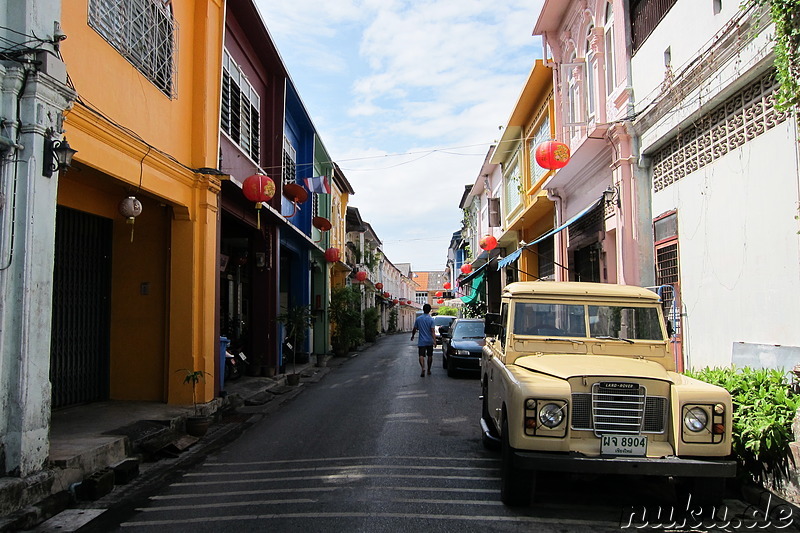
318,184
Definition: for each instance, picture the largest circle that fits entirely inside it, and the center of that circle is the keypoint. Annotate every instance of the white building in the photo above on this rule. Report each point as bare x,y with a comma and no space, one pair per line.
723,164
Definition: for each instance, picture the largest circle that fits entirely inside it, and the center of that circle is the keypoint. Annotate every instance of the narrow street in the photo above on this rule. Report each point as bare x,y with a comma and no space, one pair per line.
375,447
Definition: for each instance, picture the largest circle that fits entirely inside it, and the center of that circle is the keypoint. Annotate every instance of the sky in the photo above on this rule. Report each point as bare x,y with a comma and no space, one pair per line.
407,97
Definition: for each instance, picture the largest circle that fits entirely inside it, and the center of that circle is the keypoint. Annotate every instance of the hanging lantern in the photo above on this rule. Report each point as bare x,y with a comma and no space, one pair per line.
332,255
385,294
395,301
552,155
439,294
130,208
361,275
447,286
258,188
440,301
488,243
466,268
379,285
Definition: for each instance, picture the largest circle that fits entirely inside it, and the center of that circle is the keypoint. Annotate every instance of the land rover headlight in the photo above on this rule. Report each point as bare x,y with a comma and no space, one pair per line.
551,415
695,419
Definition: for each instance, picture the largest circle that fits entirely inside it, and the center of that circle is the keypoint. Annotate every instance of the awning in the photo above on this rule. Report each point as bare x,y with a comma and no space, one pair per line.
513,256
477,287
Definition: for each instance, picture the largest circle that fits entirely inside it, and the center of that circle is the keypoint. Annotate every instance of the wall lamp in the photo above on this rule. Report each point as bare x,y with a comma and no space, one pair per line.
57,156
611,195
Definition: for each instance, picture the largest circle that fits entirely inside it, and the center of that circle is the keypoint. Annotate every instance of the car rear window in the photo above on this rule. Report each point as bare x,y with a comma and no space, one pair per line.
443,320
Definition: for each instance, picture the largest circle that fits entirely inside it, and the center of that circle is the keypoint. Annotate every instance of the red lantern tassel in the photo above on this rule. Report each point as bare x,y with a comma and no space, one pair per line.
258,215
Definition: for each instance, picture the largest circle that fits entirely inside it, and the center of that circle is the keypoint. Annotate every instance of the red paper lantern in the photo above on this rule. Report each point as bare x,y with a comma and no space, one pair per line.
466,268
447,285
488,243
258,188
385,294
361,275
552,155
379,286
395,301
440,300
332,255
438,294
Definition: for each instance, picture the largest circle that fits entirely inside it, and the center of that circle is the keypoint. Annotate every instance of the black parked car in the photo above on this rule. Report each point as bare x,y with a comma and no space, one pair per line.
438,322
462,343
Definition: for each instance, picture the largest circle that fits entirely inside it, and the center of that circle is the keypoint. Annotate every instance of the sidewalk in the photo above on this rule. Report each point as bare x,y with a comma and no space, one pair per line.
126,447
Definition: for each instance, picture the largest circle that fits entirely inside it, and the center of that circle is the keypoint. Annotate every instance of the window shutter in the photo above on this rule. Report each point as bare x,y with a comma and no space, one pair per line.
494,212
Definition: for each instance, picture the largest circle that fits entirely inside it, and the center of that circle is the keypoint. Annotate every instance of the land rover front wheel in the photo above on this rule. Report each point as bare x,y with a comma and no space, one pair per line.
516,486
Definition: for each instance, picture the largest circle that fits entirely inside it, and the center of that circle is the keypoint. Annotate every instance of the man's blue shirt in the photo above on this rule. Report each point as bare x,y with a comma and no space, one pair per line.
424,326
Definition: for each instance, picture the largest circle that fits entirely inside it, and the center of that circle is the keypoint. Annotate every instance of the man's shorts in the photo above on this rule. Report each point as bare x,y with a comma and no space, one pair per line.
425,350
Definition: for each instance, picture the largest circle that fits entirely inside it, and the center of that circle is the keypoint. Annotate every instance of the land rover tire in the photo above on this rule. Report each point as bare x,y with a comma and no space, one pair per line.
486,440
516,486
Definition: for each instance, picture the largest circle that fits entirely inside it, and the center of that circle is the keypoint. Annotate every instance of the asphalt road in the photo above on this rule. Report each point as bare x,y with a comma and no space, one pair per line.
374,447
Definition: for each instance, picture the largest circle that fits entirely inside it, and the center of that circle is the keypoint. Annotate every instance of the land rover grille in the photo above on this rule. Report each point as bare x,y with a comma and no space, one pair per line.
618,407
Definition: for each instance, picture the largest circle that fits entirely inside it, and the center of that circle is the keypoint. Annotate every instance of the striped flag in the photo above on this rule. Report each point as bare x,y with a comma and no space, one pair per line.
318,184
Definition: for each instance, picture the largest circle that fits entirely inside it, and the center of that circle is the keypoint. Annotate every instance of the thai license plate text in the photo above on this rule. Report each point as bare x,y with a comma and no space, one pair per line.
633,445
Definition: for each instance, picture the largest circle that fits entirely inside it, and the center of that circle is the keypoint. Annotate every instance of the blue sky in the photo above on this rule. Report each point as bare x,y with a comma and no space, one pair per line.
407,97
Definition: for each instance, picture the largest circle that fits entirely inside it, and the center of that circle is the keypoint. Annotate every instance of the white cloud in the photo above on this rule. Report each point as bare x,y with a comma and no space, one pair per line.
382,77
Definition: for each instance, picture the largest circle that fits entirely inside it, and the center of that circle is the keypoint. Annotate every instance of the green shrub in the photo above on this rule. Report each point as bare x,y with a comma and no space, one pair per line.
449,311
393,320
764,407
371,319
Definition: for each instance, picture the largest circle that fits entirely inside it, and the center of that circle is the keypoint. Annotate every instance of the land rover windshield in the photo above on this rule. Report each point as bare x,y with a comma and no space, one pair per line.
624,323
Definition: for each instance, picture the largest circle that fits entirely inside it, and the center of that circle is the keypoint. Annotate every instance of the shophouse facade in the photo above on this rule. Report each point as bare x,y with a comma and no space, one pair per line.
137,215
722,165
251,132
341,191
608,238
527,215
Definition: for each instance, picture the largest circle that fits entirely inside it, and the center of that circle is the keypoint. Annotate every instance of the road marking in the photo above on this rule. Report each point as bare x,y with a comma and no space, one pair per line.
340,468
206,495
403,415
221,505
414,458
520,519
333,477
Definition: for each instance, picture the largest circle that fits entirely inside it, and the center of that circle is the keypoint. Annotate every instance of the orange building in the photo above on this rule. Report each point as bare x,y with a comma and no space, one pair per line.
134,294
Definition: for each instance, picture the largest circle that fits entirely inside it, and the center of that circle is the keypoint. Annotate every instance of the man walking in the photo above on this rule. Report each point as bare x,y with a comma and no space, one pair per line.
424,324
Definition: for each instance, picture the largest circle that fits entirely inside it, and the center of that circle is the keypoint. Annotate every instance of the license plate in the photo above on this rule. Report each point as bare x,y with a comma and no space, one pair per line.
631,445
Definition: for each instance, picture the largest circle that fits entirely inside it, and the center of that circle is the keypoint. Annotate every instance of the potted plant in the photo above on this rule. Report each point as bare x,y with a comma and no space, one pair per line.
346,317
196,425
296,319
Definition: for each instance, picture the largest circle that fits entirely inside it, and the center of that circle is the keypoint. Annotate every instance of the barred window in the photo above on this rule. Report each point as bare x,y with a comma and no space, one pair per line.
240,105
289,162
144,32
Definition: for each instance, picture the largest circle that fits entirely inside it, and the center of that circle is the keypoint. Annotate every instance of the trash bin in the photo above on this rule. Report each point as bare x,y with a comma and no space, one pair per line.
223,347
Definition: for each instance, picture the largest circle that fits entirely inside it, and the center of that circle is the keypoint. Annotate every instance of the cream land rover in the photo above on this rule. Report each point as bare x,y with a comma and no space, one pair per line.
579,377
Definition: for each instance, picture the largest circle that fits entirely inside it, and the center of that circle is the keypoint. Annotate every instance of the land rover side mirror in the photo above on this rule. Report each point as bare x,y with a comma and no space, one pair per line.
670,329
492,325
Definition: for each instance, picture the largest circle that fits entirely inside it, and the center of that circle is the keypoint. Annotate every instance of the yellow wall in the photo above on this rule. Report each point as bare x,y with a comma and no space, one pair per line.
132,137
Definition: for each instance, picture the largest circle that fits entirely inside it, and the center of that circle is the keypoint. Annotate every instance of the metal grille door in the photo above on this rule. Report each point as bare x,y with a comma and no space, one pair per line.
79,353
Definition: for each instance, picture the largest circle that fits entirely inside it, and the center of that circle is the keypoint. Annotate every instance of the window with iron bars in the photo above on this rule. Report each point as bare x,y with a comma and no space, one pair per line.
240,105
289,162
144,32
